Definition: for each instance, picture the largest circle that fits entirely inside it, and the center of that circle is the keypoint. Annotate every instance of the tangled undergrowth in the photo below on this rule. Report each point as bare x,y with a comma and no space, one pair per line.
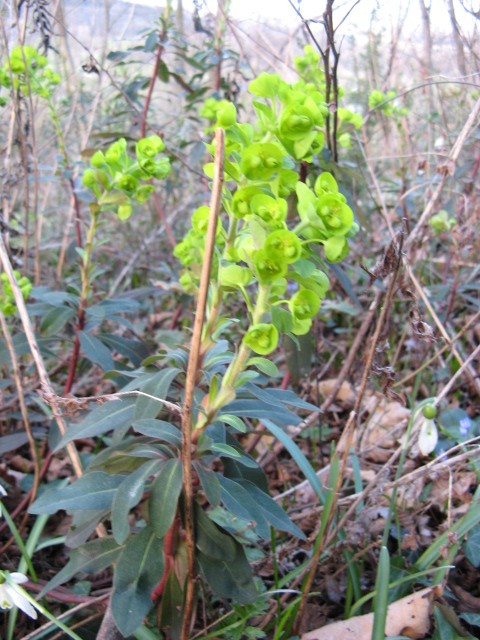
239,311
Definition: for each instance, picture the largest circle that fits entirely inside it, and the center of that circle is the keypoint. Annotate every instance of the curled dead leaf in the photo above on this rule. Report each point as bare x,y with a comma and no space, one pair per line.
409,617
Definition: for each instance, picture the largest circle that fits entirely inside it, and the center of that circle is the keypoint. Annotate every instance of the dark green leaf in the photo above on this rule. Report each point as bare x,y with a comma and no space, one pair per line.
134,350
93,557
128,495
232,469
96,351
302,462
210,484
230,578
164,497
163,72
271,510
157,387
471,546
54,321
105,417
210,539
277,397
159,429
170,606
238,501
93,491
139,569
256,409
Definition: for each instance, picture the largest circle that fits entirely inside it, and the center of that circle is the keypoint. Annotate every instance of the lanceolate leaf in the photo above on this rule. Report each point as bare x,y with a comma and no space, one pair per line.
210,539
139,569
230,578
239,502
159,429
96,351
303,464
106,417
93,491
164,497
210,484
270,509
128,495
278,397
157,387
92,557
248,408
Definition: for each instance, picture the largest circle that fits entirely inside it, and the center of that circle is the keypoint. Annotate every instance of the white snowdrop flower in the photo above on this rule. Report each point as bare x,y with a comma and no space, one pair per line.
12,595
428,438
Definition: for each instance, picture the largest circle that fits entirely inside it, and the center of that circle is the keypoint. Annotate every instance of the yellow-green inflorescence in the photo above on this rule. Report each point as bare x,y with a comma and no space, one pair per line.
7,299
118,179
27,71
262,253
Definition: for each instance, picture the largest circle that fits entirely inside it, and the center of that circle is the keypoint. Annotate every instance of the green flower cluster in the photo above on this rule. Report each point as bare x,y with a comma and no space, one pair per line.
7,300
384,102
116,179
261,253
27,70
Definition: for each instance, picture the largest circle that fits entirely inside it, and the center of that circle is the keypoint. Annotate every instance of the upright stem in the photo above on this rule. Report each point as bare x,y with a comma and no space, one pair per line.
84,293
190,383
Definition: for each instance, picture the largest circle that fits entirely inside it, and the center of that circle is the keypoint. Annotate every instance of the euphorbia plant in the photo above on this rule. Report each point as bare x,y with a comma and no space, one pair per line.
273,262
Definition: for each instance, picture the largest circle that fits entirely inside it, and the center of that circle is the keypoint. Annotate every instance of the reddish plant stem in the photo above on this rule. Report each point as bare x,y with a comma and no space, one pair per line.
75,352
78,214
153,77
60,595
164,221
169,552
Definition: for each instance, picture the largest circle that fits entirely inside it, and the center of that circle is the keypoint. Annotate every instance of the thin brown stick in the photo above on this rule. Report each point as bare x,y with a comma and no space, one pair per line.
191,377
37,356
445,173
346,440
436,355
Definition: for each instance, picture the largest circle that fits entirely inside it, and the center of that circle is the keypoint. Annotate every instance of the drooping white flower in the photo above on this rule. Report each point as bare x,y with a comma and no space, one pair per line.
13,595
428,437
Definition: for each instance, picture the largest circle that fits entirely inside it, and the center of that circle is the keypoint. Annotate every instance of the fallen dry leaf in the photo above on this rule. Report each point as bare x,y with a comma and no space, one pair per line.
344,398
384,428
409,617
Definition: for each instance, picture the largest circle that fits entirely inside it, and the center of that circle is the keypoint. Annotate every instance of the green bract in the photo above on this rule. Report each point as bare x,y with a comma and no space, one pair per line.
116,151
325,183
143,193
261,160
127,183
235,276
298,121
265,85
226,114
149,147
262,338
268,267
242,199
336,248
336,216
283,245
304,304
273,211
